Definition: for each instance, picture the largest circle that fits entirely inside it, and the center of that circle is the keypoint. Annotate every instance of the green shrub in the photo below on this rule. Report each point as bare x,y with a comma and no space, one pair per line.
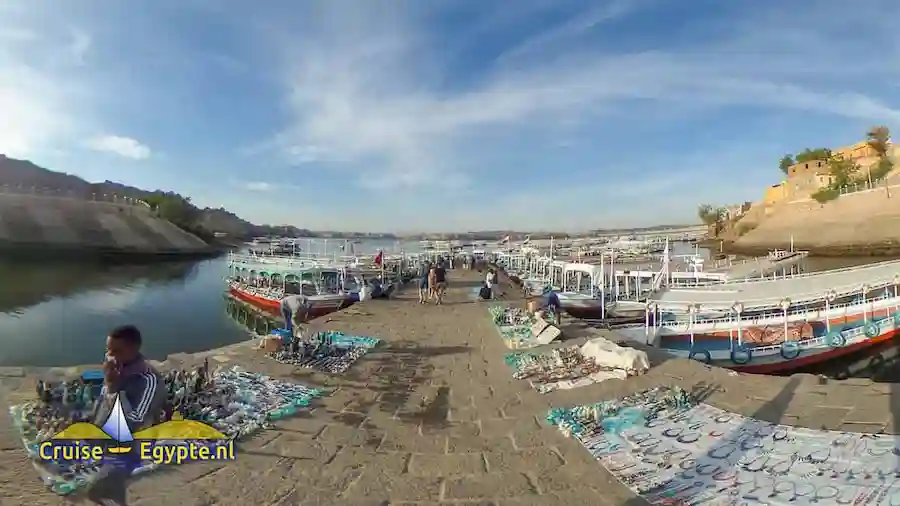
826,195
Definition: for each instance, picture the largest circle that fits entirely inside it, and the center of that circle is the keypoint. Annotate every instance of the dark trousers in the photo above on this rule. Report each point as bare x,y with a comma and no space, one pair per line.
111,490
288,319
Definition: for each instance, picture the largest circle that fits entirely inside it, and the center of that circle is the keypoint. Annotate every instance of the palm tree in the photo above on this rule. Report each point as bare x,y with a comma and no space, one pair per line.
711,216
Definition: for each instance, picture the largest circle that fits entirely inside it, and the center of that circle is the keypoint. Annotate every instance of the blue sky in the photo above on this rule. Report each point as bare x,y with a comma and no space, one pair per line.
415,115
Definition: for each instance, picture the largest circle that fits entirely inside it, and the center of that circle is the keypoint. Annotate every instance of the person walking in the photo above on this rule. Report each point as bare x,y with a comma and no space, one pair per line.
432,282
423,288
440,283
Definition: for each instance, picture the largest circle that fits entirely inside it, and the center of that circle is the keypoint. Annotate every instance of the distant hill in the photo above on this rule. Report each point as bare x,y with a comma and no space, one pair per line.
25,176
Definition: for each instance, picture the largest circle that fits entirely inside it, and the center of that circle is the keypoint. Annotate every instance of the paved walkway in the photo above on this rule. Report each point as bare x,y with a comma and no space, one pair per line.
433,417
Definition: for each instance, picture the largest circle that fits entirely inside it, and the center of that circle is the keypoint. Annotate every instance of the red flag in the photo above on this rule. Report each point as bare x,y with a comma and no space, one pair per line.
379,257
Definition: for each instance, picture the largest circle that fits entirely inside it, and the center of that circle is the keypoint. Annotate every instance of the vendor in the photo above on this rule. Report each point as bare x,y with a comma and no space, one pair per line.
295,309
554,308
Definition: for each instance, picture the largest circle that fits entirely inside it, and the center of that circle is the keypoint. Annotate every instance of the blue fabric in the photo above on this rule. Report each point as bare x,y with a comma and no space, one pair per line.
553,300
423,283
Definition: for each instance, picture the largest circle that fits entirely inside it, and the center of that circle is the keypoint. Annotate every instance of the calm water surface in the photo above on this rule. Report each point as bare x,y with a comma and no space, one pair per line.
57,315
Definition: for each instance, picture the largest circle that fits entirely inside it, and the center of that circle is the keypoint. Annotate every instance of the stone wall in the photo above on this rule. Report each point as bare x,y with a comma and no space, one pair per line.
66,223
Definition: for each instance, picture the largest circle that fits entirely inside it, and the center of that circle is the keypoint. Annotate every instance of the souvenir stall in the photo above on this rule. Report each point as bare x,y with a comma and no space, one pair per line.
327,351
234,402
575,366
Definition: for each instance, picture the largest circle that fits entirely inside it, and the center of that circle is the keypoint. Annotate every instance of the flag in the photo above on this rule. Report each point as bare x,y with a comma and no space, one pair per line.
504,240
379,258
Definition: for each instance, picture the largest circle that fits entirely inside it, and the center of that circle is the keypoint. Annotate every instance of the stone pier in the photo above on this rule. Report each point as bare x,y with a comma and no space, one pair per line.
433,416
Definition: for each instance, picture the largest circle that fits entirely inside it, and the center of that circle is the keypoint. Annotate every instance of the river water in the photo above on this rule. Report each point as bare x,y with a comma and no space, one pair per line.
60,314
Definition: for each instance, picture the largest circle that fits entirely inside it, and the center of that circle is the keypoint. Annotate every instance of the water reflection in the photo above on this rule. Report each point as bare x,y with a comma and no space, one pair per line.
60,314
28,284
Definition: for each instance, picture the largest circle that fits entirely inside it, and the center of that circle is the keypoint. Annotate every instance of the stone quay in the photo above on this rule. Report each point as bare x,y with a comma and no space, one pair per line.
433,416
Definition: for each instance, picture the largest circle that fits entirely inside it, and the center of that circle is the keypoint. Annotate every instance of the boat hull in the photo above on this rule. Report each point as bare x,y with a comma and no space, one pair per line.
799,348
786,366
319,307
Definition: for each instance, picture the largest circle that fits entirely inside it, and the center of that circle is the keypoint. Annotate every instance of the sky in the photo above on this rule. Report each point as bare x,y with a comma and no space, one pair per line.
444,115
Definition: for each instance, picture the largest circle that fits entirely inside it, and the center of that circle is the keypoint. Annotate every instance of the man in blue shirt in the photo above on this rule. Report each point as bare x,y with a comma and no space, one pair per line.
554,307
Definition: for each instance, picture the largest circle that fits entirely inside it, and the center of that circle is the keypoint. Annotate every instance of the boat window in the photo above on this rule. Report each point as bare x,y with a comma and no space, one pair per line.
308,290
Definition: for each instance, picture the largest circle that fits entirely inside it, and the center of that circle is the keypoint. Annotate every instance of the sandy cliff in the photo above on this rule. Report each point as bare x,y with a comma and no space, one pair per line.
64,223
864,223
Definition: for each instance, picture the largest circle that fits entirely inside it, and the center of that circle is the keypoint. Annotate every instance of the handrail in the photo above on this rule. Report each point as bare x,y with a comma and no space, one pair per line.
882,302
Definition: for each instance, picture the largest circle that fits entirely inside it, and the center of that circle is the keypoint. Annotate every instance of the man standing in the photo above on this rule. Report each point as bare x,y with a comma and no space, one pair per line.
141,392
295,309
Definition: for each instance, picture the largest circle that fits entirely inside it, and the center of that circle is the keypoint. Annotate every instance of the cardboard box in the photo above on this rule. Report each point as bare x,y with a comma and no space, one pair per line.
272,343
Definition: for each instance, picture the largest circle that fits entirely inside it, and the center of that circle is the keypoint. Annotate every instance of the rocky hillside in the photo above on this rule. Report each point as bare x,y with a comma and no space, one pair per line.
24,176
858,223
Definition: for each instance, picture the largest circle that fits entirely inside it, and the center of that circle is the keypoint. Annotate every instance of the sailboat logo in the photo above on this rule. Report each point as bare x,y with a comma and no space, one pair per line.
117,428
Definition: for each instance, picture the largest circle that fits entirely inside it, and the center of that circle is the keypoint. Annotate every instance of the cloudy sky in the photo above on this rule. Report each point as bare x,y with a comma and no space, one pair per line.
443,114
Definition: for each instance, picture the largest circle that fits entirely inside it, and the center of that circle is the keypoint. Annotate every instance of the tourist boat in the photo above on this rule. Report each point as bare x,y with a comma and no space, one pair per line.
328,287
775,326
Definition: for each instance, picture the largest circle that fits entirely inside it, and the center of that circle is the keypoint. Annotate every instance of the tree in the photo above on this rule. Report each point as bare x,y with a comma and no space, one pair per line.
843,171
812,155
785,163
879,139
711,216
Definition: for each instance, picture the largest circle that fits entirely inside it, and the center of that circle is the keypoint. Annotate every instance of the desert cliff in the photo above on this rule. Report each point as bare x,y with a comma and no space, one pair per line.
865,223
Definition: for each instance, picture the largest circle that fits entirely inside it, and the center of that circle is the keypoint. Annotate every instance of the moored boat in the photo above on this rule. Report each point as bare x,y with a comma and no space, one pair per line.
270,300
776,326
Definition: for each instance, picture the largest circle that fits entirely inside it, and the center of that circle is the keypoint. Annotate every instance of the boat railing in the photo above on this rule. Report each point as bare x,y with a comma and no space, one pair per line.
776,317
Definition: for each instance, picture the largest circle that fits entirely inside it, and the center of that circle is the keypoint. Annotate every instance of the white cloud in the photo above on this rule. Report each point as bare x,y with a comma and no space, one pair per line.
602,13
258,186
373,106
125,147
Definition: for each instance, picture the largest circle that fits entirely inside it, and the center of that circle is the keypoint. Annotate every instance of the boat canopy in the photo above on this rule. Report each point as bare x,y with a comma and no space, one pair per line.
774,293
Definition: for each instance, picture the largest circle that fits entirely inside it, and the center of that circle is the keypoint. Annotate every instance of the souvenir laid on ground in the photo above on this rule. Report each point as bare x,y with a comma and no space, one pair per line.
327,351
670,449
233,401
576,366
510,316
515,326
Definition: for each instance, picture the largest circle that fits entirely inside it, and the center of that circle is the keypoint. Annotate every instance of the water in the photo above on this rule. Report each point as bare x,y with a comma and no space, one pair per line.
60,314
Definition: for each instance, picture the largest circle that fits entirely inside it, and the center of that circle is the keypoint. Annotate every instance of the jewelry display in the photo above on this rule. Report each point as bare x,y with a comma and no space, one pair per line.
329,351
237,403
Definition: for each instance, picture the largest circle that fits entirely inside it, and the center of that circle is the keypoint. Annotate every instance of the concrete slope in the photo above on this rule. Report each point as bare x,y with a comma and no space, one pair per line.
856,219
64,222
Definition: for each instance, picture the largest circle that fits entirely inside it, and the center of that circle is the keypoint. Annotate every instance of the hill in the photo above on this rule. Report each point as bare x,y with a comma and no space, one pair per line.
23,176
863,223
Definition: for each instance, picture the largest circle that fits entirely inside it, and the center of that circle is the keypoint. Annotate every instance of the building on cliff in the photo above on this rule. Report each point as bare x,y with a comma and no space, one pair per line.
805,178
